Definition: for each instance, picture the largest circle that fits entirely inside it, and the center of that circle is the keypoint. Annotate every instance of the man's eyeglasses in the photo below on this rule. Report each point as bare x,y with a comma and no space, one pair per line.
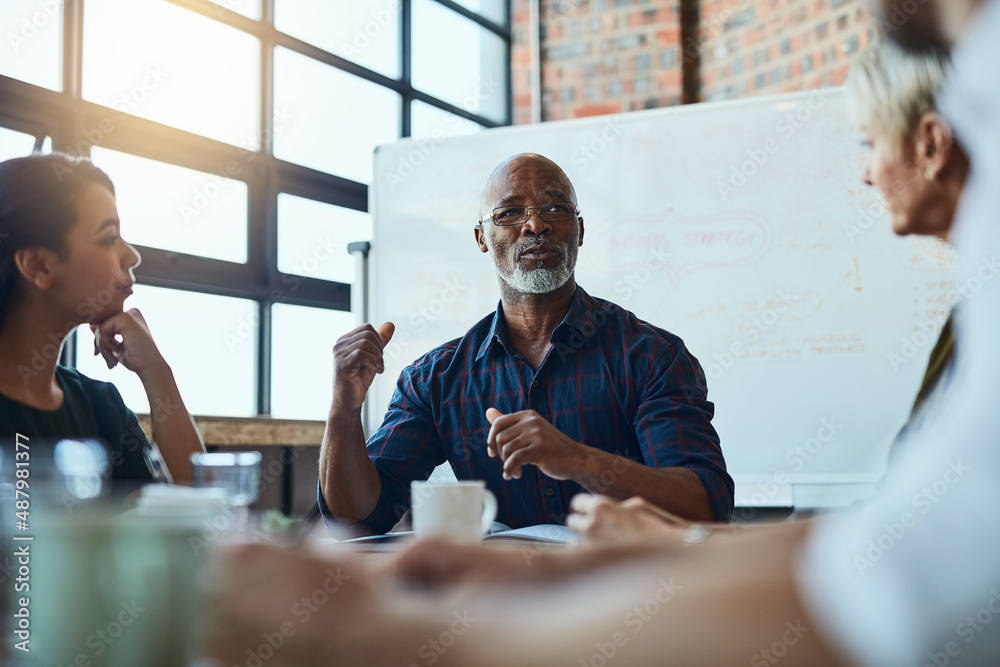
517,215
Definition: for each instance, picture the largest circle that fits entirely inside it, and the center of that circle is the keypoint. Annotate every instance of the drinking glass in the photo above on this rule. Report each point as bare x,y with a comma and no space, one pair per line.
237,473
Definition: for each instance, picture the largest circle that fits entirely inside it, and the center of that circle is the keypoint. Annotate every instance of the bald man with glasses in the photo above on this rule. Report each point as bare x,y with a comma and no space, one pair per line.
555,393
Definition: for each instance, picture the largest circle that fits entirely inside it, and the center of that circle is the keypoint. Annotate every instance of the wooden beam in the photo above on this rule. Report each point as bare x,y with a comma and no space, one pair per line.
255,432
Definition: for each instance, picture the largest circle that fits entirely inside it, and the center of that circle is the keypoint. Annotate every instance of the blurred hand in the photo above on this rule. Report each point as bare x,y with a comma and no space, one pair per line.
525,437
357,358
438,563
603,519
125,338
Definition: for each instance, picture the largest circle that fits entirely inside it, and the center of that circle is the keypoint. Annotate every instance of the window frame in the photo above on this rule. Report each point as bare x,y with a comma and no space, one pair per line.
69,120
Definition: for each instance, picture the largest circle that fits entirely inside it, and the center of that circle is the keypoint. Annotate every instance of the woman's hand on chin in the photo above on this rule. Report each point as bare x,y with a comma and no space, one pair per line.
125,338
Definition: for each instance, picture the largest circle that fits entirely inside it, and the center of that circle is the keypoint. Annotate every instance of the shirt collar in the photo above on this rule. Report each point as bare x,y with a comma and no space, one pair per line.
496,334
578,318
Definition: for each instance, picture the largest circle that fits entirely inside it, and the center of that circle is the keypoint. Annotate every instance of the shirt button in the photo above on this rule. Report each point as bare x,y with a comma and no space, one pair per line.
550,492
535,383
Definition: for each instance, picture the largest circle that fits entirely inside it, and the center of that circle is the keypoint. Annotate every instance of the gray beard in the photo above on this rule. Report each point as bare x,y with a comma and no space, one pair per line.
539,280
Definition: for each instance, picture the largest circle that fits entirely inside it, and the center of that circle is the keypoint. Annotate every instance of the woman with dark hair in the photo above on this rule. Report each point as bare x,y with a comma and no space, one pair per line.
63,263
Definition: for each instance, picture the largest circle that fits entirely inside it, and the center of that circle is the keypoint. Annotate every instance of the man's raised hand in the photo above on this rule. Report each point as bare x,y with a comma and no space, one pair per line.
357,358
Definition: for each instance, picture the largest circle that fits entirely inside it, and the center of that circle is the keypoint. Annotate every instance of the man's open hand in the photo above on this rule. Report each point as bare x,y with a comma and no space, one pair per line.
525,437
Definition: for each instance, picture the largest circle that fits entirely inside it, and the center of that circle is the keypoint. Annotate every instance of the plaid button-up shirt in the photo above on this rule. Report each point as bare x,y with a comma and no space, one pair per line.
610,381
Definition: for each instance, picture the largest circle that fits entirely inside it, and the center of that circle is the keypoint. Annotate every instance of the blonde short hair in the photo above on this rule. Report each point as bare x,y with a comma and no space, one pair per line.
889,90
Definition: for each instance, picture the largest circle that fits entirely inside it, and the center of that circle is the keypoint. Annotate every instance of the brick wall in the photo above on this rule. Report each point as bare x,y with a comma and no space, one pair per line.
778,45
606,56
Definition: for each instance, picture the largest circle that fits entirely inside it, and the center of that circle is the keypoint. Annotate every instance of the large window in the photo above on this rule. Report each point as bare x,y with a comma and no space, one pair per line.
239,135
14,144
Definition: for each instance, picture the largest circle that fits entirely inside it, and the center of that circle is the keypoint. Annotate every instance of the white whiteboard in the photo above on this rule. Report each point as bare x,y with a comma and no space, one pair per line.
649,182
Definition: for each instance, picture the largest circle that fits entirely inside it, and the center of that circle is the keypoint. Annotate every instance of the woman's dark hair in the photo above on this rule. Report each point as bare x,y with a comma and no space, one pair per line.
39,196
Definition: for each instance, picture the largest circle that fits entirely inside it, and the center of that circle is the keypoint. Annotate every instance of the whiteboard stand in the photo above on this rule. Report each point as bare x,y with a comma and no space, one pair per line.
359,301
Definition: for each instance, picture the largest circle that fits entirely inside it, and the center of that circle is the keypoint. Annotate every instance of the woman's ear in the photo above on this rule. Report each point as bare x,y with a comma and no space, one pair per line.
934,143
36,265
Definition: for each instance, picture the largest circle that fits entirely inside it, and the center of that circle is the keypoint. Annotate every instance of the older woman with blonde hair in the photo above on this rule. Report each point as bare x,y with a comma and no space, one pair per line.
914,160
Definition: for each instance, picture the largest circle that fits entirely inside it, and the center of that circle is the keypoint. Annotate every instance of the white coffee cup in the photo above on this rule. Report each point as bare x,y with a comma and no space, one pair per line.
457,511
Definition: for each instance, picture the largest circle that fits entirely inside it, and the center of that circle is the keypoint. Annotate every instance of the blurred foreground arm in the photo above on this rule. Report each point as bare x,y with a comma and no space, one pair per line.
735,603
